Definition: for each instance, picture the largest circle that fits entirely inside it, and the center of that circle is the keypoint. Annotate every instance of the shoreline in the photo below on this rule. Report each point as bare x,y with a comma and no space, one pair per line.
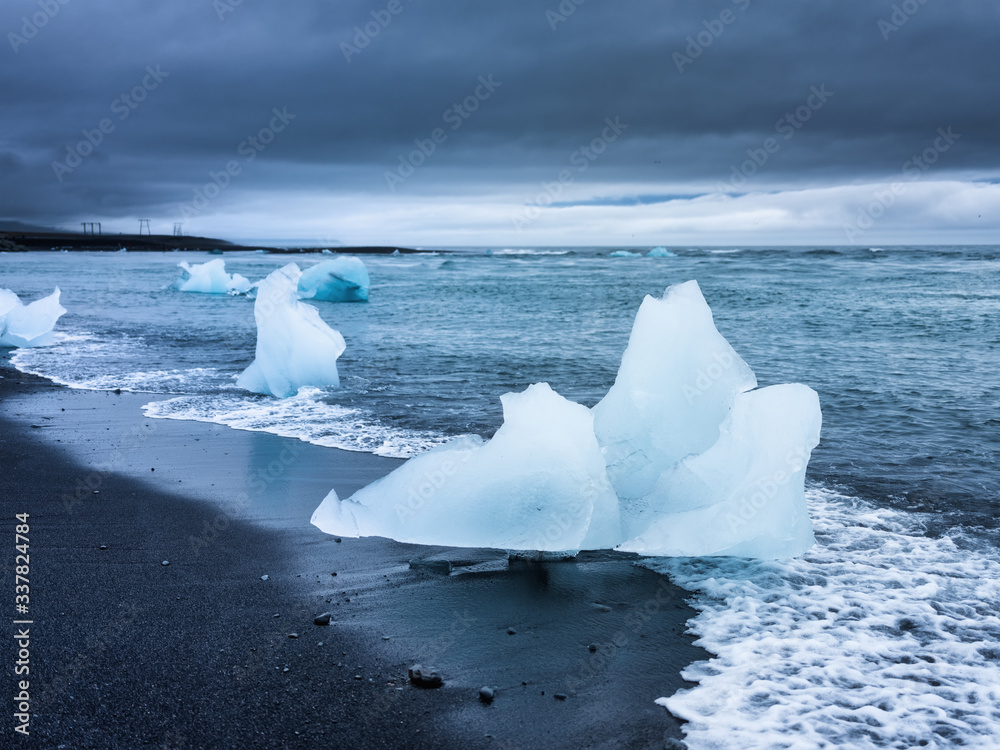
128,647
18,241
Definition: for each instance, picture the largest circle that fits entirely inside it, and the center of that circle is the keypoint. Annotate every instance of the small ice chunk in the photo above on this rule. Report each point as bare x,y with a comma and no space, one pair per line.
24,326
660,252
294,346
539,484
211,278
343,279
624,254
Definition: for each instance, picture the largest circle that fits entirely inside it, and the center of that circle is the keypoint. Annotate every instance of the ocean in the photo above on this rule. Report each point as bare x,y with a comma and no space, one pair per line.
885,634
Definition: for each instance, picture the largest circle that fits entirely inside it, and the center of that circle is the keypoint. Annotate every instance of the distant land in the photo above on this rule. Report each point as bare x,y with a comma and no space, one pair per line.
18,237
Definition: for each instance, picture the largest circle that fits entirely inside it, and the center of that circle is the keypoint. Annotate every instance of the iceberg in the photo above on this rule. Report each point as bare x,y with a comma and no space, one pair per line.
624,254
24,326
660,252
294,346
342,279
211,278
677,382
684,456
539,484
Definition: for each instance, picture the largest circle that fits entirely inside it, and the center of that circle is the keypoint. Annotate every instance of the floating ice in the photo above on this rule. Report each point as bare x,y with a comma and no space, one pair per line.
29,325
624,254
342,279
539,484
211,278
294,346
660,252
681,458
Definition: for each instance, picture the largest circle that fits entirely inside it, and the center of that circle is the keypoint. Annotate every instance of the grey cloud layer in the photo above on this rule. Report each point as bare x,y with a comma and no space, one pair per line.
356,117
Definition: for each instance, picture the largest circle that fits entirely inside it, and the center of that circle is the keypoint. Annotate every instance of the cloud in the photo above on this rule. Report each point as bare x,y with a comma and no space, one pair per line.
757,62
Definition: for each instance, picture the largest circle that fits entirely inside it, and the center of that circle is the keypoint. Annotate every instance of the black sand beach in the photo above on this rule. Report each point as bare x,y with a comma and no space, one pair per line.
201,653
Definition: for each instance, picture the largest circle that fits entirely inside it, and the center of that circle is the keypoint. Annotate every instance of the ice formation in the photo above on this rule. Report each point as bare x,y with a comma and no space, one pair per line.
342,279
211,278
294,346
624,254
660,252
29,325
539,484
682,457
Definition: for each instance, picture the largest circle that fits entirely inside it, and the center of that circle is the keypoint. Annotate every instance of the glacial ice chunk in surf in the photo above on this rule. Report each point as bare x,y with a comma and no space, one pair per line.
539,484
343,279
676,383
691,460
295,347
31,325
211,278
745,495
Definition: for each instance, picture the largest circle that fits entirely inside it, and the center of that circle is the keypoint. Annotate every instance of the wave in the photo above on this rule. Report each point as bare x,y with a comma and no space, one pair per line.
527,251
305,416
879,637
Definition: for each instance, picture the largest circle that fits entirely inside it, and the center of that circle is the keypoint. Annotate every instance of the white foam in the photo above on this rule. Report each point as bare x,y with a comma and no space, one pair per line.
528,251
304,416
90,354
878,637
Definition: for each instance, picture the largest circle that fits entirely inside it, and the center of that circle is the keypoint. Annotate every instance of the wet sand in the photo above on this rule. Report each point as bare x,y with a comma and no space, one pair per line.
199,653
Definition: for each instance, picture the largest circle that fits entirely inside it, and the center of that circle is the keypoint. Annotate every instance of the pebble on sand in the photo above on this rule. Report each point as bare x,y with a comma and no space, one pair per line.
323,619
425,677
487,694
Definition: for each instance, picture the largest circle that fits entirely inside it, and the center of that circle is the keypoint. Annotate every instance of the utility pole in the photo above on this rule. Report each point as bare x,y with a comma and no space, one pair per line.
177,229
144,223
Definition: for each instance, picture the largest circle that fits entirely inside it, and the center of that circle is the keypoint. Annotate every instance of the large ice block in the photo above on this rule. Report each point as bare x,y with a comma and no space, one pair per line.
31,325
676,384
343,279
539,484
682,457
744,496
294,346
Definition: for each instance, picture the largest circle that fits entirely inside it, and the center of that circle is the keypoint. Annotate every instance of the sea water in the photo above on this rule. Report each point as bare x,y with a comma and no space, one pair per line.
884,635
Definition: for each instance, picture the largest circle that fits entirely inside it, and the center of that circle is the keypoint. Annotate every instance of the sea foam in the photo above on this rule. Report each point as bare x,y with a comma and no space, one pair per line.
878,637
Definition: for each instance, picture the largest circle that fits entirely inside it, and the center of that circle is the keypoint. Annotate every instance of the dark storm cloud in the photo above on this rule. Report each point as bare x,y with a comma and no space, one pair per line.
697,84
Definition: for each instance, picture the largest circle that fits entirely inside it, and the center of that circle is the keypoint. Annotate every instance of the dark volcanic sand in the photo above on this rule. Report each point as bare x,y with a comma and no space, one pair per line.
127,652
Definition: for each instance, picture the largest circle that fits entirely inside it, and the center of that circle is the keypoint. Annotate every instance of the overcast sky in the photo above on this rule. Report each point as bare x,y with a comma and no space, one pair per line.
424,122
